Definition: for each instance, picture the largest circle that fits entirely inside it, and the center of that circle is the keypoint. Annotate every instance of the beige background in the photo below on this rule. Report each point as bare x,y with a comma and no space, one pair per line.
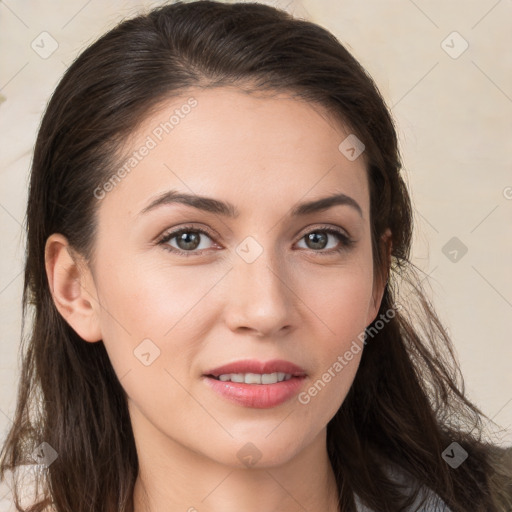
454,116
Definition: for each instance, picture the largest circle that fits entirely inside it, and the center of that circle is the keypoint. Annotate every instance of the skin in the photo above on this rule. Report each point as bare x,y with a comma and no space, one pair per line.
264,154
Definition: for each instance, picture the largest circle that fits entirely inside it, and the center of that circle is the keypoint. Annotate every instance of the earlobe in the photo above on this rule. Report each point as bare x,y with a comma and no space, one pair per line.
72,288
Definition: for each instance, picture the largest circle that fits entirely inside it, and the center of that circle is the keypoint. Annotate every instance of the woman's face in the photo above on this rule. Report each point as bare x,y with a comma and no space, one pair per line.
252,286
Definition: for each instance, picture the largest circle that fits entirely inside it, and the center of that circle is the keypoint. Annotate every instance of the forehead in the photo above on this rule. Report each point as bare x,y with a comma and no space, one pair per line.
236,145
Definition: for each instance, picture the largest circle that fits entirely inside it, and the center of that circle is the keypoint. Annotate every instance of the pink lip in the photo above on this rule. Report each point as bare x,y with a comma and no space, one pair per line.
254,366
259,396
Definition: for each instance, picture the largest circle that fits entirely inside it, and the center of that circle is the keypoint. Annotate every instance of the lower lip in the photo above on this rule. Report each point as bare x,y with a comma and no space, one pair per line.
258,396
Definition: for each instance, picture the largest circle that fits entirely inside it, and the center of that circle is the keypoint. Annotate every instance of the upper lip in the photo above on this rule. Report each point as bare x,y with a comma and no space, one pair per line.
254,366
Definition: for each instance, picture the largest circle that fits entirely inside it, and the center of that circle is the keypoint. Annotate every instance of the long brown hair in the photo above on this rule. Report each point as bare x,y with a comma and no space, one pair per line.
407,402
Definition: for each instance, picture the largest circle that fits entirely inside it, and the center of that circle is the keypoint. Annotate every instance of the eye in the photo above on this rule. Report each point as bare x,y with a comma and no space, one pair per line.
188,240
318,240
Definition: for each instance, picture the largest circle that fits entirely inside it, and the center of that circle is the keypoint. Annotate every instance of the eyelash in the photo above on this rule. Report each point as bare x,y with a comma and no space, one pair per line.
346,242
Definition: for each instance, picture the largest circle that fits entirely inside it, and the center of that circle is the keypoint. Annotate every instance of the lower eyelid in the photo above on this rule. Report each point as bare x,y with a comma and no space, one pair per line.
343,238
344,241
163,240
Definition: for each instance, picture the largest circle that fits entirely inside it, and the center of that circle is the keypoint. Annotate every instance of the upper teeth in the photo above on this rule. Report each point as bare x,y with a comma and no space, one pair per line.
255,378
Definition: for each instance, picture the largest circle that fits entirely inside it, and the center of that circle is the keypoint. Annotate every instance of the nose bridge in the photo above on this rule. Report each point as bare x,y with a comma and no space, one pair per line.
259,294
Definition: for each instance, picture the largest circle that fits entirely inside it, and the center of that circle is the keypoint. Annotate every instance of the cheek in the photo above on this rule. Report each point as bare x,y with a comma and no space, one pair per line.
337,353
159,303
153,298
341,301
340,297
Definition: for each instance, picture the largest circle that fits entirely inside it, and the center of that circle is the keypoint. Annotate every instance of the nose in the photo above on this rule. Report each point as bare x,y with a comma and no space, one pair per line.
260,297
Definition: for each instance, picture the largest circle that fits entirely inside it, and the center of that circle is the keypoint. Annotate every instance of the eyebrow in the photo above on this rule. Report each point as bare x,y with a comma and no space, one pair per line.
226,209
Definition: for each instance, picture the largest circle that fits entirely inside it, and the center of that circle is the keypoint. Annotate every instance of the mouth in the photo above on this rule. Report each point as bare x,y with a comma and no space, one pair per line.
252,371
256,384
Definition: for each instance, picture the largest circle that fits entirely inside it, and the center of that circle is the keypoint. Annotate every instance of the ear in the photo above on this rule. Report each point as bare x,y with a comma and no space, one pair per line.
72,288
381,278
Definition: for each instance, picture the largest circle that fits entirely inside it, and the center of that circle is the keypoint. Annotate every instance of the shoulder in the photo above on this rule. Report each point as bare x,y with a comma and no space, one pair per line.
426,500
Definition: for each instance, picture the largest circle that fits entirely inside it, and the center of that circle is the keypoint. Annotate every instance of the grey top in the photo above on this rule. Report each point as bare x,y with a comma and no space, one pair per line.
433,502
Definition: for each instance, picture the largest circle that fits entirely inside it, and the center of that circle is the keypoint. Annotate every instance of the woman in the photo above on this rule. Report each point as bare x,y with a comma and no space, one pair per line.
225,313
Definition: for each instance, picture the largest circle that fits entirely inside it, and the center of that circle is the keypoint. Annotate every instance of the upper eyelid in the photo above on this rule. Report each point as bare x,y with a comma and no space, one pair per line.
172,233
